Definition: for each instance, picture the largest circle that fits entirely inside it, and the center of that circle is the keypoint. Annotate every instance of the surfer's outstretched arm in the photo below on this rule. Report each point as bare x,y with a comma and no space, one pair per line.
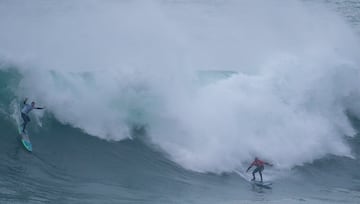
249,168
269,164
25,100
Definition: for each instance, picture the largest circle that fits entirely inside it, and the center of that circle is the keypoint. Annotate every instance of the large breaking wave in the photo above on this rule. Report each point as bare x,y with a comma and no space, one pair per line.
109,67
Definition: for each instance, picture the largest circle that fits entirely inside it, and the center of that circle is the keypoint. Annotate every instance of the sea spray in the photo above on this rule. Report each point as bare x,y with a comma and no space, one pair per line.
105,67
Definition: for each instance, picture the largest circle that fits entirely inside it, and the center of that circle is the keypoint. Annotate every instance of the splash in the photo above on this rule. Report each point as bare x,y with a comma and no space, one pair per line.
107,66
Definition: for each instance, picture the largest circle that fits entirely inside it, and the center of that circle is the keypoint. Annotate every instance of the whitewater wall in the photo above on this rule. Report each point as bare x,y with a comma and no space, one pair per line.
107,66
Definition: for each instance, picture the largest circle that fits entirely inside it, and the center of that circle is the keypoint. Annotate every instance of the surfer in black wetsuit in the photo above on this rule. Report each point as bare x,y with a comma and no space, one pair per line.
25,111
260,165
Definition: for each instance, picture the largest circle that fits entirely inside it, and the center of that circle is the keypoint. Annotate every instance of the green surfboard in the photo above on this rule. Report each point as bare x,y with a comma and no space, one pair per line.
25,140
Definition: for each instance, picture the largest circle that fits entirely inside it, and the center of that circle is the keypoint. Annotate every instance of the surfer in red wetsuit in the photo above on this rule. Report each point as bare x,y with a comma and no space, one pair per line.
259,167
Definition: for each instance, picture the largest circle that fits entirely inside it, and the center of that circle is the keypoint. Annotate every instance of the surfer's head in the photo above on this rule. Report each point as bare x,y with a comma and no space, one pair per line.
33,104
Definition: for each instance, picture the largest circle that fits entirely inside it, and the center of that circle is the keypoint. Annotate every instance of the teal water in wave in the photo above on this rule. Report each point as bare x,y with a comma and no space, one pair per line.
172,106
68,166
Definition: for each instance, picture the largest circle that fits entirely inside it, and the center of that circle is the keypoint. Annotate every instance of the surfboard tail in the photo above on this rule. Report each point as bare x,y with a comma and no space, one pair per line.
25,140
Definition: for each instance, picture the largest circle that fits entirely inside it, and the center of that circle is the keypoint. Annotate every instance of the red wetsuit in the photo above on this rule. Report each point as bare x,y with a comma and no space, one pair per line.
258,163
259,167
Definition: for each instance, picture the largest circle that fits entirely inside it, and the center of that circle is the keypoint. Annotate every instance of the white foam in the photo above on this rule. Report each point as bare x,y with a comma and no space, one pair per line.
104,66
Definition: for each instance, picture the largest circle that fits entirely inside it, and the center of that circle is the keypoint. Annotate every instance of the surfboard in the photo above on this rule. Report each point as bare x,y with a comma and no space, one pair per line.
266,184
25,140
262,184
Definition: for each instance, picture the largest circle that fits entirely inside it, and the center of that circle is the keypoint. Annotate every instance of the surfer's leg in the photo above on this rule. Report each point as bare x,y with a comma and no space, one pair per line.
23,116
253,173
26,120
24,126
260,172
260,176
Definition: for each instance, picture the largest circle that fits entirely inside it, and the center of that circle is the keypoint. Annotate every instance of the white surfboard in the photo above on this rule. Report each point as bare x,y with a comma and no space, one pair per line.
266,184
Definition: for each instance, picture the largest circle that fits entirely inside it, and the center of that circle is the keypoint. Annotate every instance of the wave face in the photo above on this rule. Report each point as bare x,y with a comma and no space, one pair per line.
180,94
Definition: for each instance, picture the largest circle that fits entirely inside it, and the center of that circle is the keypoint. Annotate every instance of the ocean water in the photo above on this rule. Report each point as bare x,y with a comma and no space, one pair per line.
169,101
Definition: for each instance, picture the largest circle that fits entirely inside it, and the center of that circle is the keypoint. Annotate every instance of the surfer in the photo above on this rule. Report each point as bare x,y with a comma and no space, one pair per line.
260,165
26,110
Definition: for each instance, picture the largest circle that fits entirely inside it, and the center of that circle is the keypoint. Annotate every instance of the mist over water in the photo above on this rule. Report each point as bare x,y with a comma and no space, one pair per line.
107,66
